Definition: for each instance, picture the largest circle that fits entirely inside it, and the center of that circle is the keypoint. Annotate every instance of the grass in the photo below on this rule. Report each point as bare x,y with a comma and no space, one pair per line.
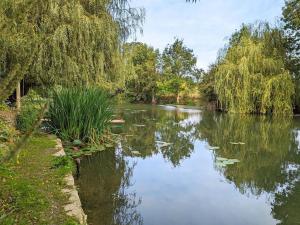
80,113
31,186
32,104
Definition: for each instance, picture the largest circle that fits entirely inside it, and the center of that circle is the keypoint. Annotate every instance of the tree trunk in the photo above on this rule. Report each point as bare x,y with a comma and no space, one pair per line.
153,98
18,96
178,98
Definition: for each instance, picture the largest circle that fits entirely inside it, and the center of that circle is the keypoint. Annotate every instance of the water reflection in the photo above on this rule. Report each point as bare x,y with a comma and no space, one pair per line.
120,188
104,192
270,149
270,158
163,124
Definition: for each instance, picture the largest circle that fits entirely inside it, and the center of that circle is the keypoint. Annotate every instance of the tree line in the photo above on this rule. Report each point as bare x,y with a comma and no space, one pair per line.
258,71
82,42
154,75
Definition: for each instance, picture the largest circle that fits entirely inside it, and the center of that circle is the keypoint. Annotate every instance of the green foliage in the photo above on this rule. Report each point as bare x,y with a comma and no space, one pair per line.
3,107
18,42
31,107
7,133
291,19
144,59
174,85
71,222
206,86
31,187
7,136
178,60
251,77
64,164
64,42
80,113
178,68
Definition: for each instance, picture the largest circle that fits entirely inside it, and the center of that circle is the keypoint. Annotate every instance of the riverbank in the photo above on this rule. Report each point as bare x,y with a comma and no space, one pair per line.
31,186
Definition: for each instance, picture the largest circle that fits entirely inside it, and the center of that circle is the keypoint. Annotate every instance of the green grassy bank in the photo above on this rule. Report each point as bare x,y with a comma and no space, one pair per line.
31,186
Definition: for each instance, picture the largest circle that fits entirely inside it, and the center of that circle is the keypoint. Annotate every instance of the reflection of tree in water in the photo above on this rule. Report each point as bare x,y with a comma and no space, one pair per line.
160,125
270,159
286,205
182,137
103,190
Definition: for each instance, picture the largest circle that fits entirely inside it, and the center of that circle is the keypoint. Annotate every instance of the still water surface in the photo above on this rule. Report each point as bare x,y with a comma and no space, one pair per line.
166,170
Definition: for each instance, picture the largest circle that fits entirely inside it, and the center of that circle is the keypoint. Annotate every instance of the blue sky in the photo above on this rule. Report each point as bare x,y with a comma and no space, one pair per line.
204,26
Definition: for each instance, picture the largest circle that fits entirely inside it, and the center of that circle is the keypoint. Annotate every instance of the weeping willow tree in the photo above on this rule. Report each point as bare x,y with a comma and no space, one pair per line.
64,42
251,77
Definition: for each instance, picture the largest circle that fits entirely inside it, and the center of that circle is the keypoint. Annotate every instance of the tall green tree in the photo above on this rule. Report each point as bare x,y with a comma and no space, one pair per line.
62,41
178,67
291,19
252,77
144,59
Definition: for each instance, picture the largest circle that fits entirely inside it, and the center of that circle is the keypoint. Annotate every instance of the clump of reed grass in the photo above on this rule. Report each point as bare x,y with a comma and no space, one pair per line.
80,113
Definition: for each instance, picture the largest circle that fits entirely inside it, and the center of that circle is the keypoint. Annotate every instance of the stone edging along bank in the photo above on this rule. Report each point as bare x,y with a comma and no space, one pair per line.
73,208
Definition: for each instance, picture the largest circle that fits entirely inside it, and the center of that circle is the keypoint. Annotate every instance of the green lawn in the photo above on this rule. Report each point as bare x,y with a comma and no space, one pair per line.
30,186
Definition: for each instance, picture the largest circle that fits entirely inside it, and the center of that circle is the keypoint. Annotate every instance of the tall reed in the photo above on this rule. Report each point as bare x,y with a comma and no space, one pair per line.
80,113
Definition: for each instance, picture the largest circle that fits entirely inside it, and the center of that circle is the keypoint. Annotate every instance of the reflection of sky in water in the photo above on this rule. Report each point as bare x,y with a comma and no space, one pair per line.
180,184
192,119
194,192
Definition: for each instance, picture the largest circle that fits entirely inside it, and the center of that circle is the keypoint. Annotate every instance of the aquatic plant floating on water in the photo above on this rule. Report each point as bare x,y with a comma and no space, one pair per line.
237,143
223,162
163,144
139,125
117,121
135,152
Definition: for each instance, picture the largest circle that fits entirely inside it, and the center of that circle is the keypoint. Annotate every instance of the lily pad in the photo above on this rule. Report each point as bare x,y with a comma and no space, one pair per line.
221,159
220,164
163,144
135,152
234,143
228,162
237,143
234,160
117,121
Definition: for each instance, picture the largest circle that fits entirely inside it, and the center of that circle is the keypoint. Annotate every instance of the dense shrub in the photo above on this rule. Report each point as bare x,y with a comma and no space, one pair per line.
31,106
7,137
80,113
3,107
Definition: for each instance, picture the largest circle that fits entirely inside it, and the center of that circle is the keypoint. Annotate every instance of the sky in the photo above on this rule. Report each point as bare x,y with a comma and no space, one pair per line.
205,26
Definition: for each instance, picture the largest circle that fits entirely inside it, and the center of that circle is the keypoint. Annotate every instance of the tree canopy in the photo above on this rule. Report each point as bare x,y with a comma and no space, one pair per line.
178,68
291,19
141,86
63,42
251,77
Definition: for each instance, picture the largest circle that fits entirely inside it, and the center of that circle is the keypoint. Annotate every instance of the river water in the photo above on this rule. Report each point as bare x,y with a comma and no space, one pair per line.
177,165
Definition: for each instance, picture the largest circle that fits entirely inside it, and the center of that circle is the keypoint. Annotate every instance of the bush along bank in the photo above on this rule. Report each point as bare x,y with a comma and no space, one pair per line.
31,183
81,118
